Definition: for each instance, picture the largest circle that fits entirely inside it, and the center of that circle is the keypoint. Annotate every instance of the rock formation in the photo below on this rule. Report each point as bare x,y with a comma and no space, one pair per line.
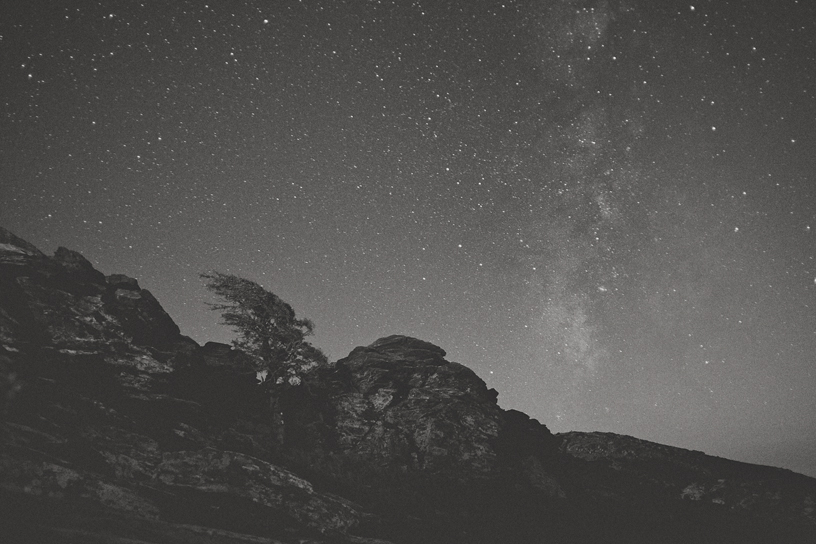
117,428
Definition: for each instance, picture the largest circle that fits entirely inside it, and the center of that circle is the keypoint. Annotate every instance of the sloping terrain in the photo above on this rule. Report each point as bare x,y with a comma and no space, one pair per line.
116,428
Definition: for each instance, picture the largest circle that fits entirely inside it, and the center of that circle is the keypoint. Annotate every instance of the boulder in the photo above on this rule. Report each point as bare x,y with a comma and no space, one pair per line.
398,402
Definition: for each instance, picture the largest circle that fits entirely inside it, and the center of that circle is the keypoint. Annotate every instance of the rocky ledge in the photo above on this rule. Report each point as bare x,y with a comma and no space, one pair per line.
117,428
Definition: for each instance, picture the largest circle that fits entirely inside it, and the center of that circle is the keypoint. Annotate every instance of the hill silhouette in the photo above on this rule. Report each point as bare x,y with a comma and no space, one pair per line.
117,428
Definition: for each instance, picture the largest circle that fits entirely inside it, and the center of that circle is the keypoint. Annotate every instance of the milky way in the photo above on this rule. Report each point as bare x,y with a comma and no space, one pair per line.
604,208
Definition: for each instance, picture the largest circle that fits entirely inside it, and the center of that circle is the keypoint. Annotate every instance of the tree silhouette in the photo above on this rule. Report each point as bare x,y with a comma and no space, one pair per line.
267,327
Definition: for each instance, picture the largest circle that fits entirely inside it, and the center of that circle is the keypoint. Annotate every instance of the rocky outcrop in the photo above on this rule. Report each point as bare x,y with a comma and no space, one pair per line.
117,428
12,245
399,402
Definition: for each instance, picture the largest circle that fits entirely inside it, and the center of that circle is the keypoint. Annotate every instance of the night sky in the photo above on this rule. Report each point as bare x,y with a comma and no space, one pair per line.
604,208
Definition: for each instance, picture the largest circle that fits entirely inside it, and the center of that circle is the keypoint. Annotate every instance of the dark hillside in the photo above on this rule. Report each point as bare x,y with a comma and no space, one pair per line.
116,428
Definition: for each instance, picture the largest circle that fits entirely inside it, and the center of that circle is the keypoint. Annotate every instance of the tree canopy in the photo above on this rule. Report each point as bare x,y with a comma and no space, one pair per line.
267,327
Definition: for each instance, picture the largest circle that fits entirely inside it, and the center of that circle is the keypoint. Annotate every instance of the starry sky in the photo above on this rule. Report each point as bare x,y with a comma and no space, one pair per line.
606,208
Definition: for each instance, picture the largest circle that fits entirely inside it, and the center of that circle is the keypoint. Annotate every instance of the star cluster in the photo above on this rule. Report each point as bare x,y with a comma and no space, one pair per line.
604,207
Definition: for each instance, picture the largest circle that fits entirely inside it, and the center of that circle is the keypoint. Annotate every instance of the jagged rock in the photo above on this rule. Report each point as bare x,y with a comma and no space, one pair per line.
71,305
404,404
142,316
11,244
78,268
